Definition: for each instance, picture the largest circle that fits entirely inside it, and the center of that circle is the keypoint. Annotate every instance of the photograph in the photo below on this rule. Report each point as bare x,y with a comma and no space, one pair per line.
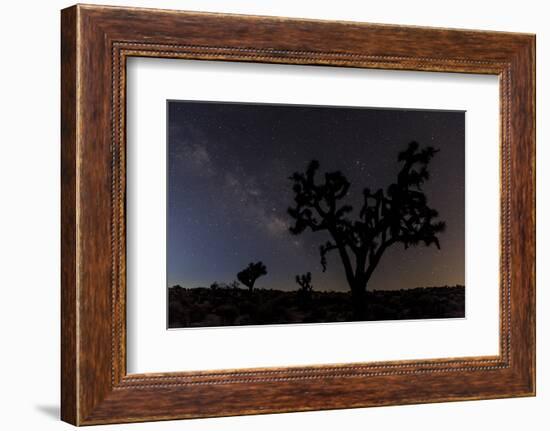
295,214
287,212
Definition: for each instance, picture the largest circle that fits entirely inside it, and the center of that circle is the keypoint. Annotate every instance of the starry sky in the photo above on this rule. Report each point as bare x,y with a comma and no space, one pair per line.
228,189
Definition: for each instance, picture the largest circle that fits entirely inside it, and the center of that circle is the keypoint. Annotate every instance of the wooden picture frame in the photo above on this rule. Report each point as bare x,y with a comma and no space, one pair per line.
95,43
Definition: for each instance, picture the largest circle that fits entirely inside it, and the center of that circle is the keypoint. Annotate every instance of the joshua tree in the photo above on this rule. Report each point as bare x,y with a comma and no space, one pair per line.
304,293
304,281
251,273
399,215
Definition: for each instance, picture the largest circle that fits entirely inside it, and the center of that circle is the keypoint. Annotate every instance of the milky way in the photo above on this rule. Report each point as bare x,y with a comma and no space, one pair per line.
228,189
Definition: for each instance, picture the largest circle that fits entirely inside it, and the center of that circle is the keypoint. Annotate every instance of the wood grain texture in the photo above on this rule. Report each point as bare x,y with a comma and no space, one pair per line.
69,366
96,41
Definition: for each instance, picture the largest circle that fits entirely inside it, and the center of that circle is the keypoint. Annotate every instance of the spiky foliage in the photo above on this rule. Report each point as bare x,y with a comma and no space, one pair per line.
400,214
251,273
304,281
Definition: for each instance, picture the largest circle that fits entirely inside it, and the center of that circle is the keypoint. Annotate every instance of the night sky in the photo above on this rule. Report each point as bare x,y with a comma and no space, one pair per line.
228,189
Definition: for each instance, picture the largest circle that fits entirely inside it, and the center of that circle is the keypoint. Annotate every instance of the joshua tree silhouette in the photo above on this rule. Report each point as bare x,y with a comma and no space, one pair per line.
304,281
400,215
305,290
251,273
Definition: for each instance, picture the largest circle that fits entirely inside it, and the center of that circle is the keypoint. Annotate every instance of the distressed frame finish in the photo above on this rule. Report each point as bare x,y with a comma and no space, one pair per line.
95,42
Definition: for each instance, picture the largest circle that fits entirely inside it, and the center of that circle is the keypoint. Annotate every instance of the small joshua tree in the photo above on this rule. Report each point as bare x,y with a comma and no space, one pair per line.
304,281
304,293
251,273
399,215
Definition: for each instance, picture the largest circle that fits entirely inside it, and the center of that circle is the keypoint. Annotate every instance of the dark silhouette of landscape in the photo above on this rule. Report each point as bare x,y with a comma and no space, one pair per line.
360,237
225,305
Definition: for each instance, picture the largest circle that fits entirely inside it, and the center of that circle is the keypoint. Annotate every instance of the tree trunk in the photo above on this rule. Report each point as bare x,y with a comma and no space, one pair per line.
359,302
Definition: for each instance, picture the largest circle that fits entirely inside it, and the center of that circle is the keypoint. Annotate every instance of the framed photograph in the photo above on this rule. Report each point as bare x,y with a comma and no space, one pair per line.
266,215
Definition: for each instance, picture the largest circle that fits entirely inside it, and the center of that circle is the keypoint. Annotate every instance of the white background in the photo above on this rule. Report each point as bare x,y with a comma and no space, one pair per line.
29,216
151,348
